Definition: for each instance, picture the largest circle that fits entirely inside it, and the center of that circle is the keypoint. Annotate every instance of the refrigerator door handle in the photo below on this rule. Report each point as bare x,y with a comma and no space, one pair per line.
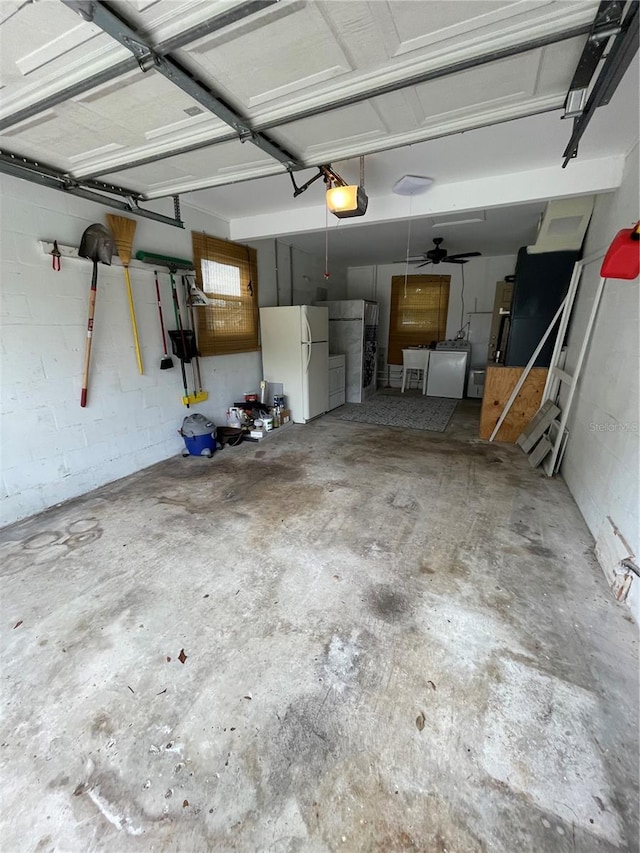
306,367
309,338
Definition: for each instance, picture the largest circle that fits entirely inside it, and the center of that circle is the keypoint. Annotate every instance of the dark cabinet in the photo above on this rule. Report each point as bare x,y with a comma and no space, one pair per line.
541,283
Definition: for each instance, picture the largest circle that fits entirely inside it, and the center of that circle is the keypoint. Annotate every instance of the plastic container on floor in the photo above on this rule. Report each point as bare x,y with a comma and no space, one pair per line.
199,436
200,445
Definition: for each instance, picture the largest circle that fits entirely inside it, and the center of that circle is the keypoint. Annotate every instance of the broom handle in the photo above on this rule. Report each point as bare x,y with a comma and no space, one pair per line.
164,334
134,325
176,305
87,352
176,308
193,326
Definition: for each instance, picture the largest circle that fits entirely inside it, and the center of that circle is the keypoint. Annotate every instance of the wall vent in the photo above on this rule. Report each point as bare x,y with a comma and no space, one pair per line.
563,225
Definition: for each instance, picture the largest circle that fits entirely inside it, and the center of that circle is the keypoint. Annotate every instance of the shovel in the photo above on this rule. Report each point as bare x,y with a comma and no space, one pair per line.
96,245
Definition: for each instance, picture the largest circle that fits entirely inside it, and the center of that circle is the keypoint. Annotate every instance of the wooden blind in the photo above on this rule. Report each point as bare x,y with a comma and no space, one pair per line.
418,312
228,274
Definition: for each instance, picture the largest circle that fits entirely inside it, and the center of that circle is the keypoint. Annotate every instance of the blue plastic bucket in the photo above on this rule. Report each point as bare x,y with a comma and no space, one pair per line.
200,445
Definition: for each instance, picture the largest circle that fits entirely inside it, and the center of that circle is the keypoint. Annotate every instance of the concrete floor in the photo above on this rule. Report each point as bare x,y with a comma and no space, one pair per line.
393,641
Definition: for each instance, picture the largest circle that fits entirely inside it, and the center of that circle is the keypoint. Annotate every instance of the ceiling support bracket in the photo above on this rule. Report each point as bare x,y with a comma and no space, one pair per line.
330,177
147,62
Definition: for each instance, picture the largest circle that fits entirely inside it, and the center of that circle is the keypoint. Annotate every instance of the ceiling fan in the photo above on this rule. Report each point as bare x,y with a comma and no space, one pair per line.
441,256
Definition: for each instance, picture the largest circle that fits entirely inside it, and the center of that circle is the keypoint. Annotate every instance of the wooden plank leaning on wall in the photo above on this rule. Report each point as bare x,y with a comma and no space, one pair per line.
499,383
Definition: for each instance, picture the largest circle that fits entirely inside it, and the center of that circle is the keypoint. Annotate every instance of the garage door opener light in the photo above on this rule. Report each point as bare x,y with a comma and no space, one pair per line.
342,199
345,200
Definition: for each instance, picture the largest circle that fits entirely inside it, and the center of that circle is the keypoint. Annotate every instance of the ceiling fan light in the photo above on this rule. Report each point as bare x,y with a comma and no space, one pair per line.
347,201
411,184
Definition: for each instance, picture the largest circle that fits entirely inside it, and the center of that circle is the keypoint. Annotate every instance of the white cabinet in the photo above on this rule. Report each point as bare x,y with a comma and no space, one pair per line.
336,381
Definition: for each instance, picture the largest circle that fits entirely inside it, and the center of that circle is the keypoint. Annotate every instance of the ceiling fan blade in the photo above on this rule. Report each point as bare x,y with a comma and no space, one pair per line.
464,255
425,264
454,261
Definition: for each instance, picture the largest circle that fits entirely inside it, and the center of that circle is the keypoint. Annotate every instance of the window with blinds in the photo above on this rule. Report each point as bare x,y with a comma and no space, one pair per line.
228,274
418,312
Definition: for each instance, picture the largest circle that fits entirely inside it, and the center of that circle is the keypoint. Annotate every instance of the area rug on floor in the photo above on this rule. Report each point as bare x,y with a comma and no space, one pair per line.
432,413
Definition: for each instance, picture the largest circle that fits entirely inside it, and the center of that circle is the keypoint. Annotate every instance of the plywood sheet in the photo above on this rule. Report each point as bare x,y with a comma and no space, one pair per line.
499,383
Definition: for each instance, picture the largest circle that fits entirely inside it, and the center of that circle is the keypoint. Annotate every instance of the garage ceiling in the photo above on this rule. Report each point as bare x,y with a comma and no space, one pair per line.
494,232
275,64
454,90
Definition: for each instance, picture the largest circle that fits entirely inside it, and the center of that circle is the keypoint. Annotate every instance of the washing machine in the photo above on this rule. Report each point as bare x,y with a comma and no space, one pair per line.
448,369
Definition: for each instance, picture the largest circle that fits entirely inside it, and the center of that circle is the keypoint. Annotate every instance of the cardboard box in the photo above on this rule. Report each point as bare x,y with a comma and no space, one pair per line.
285,416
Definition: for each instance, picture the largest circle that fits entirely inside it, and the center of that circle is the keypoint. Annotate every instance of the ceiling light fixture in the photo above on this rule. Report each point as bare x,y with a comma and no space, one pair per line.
343,199
347,200
411,184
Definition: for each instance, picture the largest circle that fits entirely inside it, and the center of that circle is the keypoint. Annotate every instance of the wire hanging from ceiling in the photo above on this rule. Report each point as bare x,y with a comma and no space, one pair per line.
460,334
406,261
326,243
410,185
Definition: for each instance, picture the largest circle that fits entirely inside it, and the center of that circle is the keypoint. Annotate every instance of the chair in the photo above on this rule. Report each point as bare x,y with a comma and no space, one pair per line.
415,359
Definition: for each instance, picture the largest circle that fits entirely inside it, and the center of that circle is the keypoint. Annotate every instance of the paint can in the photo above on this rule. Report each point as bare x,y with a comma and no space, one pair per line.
267,424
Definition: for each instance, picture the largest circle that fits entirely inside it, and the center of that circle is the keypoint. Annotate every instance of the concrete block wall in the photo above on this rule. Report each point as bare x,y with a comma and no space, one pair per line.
51,449
601,463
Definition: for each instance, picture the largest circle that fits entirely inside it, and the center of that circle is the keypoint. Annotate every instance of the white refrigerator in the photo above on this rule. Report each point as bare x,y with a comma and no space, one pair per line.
295,352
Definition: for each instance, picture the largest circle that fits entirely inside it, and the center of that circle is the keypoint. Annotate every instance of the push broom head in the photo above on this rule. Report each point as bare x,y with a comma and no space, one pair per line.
123,231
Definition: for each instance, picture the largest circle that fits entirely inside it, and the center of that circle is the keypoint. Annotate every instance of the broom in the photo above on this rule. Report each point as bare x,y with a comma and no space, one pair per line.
123,230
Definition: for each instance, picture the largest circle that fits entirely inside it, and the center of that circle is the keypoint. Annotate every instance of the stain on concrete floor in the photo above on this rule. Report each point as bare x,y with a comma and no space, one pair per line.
328,589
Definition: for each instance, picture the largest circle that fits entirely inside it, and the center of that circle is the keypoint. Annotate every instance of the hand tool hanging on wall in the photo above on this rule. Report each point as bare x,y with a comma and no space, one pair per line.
182,341
200,394
166,361
123,231
96,245
55,257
